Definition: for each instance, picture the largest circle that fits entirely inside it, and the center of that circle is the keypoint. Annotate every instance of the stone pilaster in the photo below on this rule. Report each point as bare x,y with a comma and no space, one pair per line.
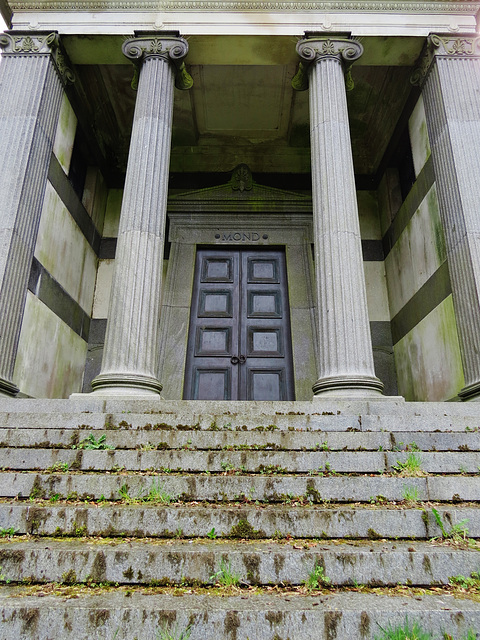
32,74
130,356
346,358
449,74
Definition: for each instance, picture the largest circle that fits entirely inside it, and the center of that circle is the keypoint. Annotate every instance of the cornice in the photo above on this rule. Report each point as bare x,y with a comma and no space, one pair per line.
374,6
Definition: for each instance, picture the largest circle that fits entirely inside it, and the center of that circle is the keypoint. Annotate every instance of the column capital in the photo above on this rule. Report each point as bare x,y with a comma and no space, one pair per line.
313,50
444,46
38,43
171,49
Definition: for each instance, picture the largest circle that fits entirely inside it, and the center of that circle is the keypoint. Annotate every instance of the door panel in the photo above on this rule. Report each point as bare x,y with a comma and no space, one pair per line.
239,344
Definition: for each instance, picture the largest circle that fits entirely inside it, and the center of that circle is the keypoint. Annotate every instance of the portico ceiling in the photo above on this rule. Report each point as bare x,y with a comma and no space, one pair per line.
242,107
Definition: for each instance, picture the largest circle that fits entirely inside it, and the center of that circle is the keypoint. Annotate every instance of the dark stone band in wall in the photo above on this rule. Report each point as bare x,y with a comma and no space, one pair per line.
383,358
435,290
422,186
108,247
66,192
93,363
54,296
372,251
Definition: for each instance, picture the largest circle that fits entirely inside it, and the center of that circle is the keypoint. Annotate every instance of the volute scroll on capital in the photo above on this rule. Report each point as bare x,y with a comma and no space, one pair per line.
172,49
313,50
444,46
38,43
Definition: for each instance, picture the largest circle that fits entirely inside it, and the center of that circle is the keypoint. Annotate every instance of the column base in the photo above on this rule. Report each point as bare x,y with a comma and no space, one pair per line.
348,387
125,384
470,393
8,389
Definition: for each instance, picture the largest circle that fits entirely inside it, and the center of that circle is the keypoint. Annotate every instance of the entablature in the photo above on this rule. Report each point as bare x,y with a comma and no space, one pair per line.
250,17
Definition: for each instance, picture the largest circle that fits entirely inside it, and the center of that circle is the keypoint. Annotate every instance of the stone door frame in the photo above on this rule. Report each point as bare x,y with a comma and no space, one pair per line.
293,231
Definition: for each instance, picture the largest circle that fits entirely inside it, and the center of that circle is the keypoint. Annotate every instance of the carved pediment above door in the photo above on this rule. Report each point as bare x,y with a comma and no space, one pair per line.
240,195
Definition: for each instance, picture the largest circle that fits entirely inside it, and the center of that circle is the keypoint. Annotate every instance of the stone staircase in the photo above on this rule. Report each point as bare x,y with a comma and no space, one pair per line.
123,519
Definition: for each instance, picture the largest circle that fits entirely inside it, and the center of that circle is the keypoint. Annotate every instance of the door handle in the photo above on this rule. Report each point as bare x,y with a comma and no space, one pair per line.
238,359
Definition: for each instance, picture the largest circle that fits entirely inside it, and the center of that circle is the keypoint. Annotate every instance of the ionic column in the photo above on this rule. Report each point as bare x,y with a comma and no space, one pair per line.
449,74
32,75
346,358
130,354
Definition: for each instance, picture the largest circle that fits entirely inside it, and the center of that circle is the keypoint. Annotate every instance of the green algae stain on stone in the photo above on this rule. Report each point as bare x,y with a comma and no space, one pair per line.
65,135
48,373
243,529
424,140
436,225
427,359
419,136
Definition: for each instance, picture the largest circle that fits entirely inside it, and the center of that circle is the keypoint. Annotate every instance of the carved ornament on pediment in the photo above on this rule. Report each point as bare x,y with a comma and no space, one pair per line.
171,49
313,50
28,44
444,46
242,178
407,6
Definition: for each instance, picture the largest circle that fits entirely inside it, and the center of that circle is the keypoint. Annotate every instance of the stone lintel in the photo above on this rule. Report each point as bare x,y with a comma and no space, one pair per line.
370,6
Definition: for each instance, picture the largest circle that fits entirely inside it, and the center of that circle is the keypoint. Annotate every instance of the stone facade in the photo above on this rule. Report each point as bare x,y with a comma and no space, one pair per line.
352,153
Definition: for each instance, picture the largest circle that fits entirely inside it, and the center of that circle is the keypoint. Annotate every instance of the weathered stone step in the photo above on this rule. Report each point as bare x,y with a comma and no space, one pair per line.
249,440
261,563
260,419
333,616
242,461
232,487
243,521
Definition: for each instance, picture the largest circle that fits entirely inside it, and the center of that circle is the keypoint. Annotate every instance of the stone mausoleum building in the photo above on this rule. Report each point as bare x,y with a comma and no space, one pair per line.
240,200
239,319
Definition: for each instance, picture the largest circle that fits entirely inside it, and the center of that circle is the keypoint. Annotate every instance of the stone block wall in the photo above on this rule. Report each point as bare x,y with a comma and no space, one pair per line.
377,296
57,319
424,332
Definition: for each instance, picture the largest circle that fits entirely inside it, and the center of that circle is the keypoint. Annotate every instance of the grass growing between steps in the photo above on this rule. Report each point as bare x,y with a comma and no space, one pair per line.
154,494
413,631
225,577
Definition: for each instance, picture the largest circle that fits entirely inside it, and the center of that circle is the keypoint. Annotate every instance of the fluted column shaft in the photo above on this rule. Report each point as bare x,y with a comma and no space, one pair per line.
345,358
32,75
131,344
449,74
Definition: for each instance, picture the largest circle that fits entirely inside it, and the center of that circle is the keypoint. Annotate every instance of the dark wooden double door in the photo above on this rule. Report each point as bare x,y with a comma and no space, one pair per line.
239,345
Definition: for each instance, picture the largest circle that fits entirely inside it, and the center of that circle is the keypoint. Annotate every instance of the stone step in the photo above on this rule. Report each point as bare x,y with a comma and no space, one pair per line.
218,488
405,420
233,521
243,461
151,562
331,616
247,440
